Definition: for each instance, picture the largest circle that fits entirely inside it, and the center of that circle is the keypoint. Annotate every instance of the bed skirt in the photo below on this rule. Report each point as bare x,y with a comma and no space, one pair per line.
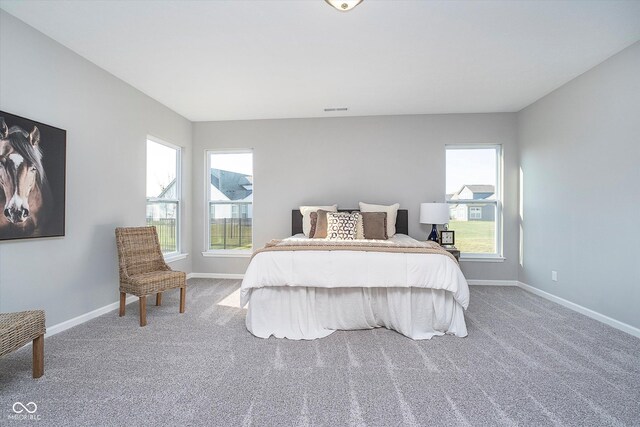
308,313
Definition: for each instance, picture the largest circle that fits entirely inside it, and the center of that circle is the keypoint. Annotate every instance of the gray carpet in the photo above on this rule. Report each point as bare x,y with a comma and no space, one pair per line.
526,361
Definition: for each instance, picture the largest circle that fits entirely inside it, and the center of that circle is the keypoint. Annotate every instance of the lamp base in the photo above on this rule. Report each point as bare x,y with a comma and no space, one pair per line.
434,234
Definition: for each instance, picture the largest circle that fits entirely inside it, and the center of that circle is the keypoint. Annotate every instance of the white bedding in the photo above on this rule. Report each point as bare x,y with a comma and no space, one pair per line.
309,313
355,269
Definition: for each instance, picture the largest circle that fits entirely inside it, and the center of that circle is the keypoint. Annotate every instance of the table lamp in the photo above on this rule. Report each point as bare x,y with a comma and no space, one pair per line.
434,213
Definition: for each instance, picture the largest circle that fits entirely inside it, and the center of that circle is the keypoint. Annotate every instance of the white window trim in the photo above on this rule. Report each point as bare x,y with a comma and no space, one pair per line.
222,253
227,253
177,254
174,256
480,258
498,256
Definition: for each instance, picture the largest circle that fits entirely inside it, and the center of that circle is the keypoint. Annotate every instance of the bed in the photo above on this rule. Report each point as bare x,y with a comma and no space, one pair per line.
302,288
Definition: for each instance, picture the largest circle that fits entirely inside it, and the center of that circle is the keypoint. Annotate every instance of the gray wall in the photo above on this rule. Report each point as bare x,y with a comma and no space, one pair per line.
346,160
107,122
580,156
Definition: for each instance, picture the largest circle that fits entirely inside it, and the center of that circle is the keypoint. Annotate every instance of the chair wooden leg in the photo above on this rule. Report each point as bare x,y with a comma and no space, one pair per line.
38,357
159,298
183,296
143,311
123,299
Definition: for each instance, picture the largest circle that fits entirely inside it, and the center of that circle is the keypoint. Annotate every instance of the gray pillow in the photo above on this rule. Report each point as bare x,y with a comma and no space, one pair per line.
320,231
375,225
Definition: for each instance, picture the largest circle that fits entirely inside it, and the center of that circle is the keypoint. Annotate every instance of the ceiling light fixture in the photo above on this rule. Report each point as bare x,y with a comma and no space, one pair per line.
343,5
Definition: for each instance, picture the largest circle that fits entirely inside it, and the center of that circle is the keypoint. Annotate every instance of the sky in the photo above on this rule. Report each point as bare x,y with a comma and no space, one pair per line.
470,167
161,167
233,162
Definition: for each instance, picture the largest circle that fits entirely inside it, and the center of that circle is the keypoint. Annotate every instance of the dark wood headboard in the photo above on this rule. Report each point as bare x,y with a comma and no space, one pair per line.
402,220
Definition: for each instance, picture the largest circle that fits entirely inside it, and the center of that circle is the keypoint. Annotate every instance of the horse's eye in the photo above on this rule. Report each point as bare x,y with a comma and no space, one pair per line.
33,168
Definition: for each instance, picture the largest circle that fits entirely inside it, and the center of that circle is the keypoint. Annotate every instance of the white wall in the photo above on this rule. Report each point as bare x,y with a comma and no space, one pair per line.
346,160
107,122
580,156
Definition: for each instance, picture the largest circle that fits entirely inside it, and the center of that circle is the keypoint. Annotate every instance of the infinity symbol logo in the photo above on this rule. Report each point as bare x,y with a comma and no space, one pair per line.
22,407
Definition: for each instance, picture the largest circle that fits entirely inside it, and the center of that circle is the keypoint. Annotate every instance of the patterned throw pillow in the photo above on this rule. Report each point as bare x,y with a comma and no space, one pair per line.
342,225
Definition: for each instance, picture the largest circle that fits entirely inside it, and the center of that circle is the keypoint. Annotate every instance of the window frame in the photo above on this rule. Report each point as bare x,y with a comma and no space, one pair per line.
208,252
174,255
496,256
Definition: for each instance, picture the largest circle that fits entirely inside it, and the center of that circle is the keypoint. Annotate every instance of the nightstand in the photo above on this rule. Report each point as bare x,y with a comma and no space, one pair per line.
453,251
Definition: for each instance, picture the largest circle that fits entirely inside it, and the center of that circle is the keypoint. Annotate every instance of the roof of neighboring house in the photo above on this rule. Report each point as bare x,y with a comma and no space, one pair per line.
167,189
480,188
234,185
479,191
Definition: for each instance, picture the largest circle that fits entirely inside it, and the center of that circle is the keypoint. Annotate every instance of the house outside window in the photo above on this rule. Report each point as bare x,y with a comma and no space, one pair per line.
473,192
229,183
164,193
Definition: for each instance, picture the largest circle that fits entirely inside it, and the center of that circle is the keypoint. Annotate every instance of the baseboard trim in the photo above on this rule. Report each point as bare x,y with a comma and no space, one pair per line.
235,276
63,326
624,327
492,282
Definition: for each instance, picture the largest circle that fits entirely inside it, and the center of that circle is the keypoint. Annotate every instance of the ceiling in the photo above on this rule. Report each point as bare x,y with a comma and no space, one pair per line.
238,60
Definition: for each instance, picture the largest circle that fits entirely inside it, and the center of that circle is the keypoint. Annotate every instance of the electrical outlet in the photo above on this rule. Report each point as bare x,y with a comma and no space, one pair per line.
554,275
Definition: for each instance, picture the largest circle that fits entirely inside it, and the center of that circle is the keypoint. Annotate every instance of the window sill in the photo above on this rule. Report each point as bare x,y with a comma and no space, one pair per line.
482,259
174,257
227,254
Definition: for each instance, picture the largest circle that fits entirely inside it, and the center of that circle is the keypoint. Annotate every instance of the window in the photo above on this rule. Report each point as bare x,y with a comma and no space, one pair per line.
163,193
229,184
473,186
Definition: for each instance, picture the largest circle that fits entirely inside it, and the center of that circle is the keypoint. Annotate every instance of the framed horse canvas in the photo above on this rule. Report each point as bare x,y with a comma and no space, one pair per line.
32,178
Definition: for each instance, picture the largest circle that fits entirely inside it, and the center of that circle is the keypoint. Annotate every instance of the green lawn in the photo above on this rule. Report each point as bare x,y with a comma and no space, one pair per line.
232,236
474,236
166,229
167,237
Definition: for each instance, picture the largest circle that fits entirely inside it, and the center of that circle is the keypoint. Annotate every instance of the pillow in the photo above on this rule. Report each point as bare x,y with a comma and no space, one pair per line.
342,225
375,225
360,229
392,213
320,224
314,222
306,218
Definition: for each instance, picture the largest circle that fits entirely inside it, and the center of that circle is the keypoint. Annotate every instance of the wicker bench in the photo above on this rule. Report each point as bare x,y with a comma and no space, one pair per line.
17,329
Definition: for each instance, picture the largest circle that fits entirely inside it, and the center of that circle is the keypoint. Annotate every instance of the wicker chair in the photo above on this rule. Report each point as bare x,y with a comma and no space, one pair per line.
17,329
143,270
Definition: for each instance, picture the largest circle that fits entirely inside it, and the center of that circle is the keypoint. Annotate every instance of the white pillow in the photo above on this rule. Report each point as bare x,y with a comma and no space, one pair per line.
392,213
306,218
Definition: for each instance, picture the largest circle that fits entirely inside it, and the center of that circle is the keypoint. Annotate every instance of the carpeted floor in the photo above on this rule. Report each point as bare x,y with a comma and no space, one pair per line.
526,361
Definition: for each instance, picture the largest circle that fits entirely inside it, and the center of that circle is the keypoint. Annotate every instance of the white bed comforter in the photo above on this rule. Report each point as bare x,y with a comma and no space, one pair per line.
350,269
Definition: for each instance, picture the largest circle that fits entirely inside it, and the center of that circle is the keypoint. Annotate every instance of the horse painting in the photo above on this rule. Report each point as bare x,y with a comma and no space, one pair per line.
25,197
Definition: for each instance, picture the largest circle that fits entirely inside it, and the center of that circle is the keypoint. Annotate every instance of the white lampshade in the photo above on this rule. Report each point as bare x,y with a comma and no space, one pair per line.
434,213
344,5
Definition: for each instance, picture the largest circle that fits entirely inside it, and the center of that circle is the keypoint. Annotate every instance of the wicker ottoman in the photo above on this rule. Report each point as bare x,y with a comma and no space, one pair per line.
17,329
